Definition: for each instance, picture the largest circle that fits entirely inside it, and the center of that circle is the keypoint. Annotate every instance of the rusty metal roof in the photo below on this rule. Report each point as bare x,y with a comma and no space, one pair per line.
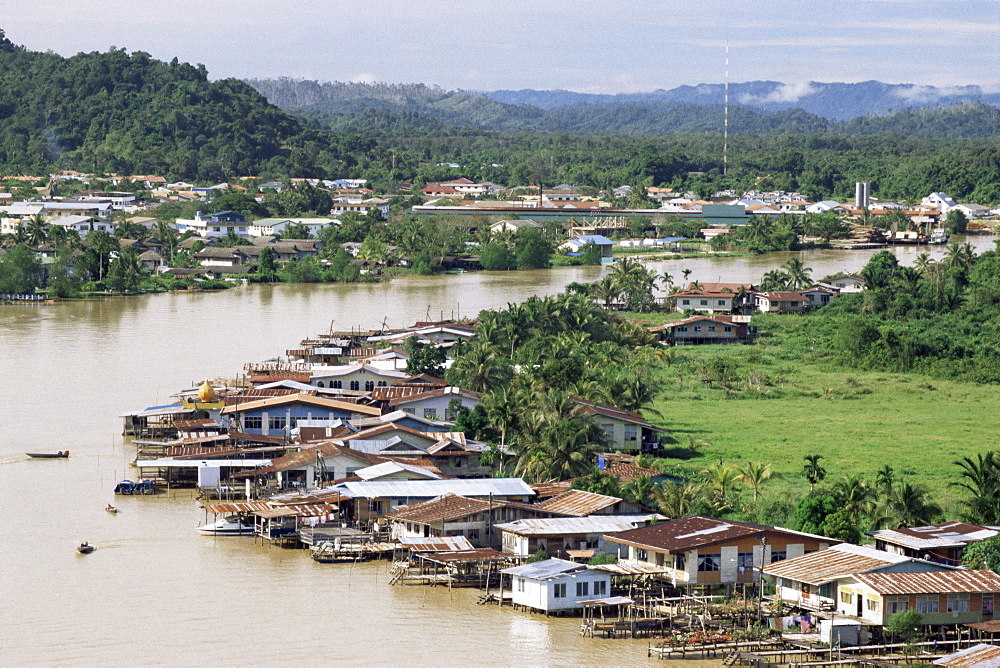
460,556
564,526
990,626
436,543
834,563
578,503
549,489
229,508
978,656
688,533
305,510
442,509
934,582
627,567
947,534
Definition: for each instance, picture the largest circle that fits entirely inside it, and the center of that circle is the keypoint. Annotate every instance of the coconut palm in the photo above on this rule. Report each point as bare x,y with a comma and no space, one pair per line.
854,496
910,506
922,263
721,478
638,490
798,274
36,231
678,500
813,472
981,479
755,474
775,280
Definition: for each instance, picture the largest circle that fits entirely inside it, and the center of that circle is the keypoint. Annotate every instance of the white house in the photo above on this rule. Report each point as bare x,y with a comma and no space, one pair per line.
846,283
267,227
84,224
940,201
556,584
214,224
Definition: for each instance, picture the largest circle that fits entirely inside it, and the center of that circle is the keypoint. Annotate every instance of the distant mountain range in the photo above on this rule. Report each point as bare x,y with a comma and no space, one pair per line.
834,101
761,106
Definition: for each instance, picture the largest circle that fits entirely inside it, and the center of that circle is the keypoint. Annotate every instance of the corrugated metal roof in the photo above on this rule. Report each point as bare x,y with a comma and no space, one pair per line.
305,510
545,570
977,656
389,468
575,525
833,563
428,489
627,567
481,554
228,508
442,509
947,534
934,582
435,543
578,502
688,533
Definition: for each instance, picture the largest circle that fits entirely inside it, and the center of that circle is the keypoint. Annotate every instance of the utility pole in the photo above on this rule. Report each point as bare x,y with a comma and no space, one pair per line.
725,119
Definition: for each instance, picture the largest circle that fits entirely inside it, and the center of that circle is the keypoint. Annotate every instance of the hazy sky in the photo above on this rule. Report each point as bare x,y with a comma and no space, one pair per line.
582,45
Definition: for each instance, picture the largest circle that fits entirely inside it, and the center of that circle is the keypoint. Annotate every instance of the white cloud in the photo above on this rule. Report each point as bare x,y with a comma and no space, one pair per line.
785,93
364,77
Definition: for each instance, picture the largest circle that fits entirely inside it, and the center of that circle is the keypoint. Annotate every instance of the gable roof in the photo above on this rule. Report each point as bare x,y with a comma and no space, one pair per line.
934,582
545,570
389,468
982,655
304,399
783,296
427,489
946,534
310,455
697,531
578,503
444,508
430,394
834,563
576,525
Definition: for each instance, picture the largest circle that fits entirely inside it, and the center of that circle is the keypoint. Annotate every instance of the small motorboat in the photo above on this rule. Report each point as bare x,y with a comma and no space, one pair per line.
111,509
49,455
227,526
85,548
125,487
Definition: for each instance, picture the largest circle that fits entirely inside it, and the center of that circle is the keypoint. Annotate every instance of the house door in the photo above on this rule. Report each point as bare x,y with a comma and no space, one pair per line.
861,602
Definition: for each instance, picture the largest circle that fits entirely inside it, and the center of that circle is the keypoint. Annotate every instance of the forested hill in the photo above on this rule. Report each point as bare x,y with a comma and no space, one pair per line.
126,113
339,104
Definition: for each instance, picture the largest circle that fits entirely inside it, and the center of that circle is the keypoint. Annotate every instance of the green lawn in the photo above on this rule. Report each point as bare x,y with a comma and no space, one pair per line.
781,404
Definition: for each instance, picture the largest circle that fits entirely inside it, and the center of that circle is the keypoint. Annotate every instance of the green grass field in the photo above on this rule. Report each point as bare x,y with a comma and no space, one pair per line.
773,403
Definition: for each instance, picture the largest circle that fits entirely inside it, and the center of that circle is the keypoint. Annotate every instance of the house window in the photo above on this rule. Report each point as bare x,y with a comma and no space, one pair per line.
697,328
871,604
988,605
430,413
520,584
609,431
846,596
631,432
686,302
894,605
559,590
744,560
682,328
640,554
793,304
709,562
375,507
381,383
927,604
958,603
679,562
276,422
582,589
320,384
727,328
778,555
337,384
355,385
722,302
369,385
601,588
472,534
704,302
711,328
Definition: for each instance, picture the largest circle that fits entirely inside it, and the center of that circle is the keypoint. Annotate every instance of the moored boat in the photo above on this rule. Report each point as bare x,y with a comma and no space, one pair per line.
227,526
48,455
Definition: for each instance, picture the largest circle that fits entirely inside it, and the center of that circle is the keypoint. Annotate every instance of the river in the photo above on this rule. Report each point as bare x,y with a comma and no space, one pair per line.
154,592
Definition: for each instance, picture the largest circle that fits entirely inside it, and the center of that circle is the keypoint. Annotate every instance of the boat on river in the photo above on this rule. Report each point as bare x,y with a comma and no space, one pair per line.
85,548
111,509
48,455
227,526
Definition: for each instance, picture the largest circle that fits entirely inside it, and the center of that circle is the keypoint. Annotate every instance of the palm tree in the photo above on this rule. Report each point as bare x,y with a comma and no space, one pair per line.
721,478
607,290
854,496
798,273
35,230
911,508
638,490
885,478
686,272
755,474
677,500
813,471
981,479
668,282
923,263
775,280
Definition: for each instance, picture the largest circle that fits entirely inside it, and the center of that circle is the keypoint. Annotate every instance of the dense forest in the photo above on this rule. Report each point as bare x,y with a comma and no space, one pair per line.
123,113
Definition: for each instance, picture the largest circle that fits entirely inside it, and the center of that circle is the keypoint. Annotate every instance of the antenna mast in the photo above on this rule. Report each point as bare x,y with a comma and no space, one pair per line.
725,119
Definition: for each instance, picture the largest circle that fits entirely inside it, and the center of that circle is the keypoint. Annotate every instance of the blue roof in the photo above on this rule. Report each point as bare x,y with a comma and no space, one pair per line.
597,239
672,240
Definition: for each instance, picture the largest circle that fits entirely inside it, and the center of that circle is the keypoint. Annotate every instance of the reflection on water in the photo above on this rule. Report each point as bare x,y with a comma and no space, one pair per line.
156,592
